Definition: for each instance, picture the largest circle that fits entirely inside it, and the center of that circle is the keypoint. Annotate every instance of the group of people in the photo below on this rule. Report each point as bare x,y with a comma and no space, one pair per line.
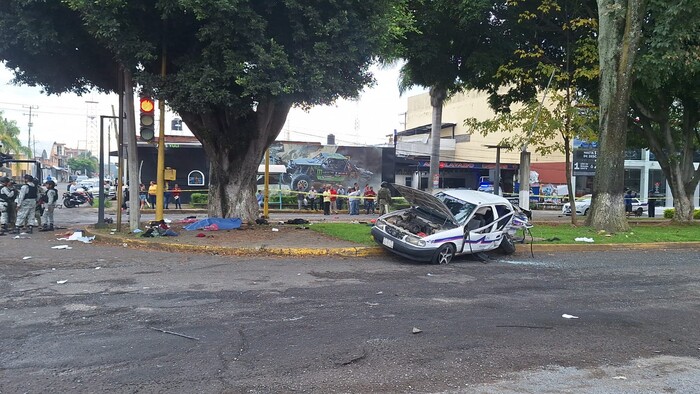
26,207
147,197
331,199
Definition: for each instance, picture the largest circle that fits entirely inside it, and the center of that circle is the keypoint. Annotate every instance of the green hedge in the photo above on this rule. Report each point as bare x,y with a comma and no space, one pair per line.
199,199
668,213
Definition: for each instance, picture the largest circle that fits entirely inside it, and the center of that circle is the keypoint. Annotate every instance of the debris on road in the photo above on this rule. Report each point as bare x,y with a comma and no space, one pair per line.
61,247
174,333
620,377
566,316
26,257
77,236
417,330
60,282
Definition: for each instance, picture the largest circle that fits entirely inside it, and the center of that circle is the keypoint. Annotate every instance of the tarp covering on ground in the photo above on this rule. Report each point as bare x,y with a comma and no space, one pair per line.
221,223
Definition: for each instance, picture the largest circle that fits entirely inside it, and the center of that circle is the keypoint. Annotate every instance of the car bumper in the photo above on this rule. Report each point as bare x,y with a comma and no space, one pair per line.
402,248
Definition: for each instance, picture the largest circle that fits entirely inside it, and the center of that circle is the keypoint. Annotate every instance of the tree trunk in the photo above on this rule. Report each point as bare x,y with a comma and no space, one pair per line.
131,153
437,99
235,145
618,40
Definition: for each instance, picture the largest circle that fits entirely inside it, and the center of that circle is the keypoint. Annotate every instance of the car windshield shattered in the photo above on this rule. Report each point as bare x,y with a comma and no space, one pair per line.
460,209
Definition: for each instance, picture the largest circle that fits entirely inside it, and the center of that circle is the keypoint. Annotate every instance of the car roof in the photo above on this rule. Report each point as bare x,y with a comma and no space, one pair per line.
474,196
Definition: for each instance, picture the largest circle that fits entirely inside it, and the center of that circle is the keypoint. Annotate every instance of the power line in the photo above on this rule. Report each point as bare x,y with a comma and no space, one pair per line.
30,124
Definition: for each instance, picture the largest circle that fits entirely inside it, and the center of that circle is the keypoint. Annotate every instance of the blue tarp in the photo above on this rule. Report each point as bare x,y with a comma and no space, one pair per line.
223,223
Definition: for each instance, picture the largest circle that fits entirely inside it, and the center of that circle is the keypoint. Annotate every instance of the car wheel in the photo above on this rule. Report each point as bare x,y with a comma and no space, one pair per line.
507,245
301,180
445,254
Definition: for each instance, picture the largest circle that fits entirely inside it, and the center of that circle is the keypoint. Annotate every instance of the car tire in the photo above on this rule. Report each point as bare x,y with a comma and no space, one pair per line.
507,245
301,180
444,254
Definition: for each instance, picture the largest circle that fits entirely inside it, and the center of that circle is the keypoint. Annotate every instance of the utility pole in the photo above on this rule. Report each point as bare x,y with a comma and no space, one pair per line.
30,124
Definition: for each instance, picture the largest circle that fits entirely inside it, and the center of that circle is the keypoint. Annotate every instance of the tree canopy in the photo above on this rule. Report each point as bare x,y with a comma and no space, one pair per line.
9,137
234,68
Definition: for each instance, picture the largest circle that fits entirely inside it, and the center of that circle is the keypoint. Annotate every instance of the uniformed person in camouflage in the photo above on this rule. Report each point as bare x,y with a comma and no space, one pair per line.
7,198
49,205
26,203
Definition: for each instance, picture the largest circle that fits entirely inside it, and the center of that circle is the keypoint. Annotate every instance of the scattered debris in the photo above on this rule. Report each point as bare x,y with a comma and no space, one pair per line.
566,316
297,221
372,303
97,268
26,257
429,274
60,282
620,377
136,231
417,330
77,236
584,239
379,293
174,333
275,229
61,247
553,239
200,235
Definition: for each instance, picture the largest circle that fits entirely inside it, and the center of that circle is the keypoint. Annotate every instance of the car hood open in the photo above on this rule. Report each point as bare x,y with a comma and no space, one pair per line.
427,201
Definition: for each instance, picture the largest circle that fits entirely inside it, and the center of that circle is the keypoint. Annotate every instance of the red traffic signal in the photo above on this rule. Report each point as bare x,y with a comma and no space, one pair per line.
147,119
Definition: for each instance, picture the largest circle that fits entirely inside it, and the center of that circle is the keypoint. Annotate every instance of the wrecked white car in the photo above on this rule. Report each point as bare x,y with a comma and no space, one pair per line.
451,222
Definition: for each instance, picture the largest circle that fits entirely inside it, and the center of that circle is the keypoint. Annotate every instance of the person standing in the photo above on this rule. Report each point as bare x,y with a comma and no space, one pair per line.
327,200
143,195
652,204
166,195
40,200
176,196
260,198
334,198
26,202
354,200
312,198
300,197
384,198
152,191
339,202
7,195
12,205
50,204
370,195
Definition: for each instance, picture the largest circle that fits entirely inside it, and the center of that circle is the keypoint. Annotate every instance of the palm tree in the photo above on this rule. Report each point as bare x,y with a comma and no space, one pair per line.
9,137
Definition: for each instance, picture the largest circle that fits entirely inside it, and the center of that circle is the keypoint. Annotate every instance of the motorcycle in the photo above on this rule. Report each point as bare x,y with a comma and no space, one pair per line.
72,200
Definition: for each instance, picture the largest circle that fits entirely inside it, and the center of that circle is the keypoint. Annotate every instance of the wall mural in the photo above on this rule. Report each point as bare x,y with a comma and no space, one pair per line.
318,165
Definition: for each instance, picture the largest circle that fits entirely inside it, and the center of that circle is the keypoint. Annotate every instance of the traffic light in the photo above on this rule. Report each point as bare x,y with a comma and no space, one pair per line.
147,120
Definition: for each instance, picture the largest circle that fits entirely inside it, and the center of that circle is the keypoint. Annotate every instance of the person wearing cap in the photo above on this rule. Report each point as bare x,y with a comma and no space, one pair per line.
26,202
7,196
49,205
384,198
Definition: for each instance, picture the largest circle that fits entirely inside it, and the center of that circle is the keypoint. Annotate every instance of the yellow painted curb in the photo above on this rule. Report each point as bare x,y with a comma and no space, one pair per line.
358,251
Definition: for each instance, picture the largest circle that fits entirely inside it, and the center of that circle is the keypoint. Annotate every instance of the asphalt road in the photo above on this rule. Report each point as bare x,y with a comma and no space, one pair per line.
140,321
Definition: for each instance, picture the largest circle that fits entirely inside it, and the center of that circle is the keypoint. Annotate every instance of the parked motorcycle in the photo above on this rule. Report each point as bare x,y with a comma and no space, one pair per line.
72,200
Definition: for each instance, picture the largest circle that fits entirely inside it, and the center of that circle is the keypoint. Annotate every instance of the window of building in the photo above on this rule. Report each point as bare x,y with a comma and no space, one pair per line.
195,178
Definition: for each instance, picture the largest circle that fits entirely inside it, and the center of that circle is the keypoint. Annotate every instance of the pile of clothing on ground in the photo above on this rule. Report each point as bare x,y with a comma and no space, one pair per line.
159,228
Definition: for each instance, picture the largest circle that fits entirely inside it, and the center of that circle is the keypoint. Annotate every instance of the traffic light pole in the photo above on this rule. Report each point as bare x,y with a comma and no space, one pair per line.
160,179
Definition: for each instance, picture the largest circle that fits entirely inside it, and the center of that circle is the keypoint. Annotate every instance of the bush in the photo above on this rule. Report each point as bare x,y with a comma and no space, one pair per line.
668,213
199,199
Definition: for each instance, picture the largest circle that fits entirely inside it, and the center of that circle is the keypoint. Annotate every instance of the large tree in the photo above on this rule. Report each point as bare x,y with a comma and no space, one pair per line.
234,68
451,43
666,97
620,32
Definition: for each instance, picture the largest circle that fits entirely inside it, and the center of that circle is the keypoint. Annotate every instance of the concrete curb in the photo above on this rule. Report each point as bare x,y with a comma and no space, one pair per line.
368,251
356,251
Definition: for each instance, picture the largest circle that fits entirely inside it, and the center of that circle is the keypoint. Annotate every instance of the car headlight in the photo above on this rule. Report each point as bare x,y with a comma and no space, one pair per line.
380,224
413,240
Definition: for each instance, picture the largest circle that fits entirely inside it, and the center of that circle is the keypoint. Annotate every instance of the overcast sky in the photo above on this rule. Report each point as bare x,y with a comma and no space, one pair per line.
66,118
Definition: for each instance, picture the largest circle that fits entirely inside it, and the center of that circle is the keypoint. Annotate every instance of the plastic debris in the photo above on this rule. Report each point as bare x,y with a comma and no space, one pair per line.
566,316
97,268
200,235
275,229
417,330
136,231
584,239
26,257
379,293
77,236
620,377
60,282
61,247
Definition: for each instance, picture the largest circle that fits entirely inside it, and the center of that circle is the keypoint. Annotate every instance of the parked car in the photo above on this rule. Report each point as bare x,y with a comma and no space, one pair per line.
93,186
451,222
583,205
